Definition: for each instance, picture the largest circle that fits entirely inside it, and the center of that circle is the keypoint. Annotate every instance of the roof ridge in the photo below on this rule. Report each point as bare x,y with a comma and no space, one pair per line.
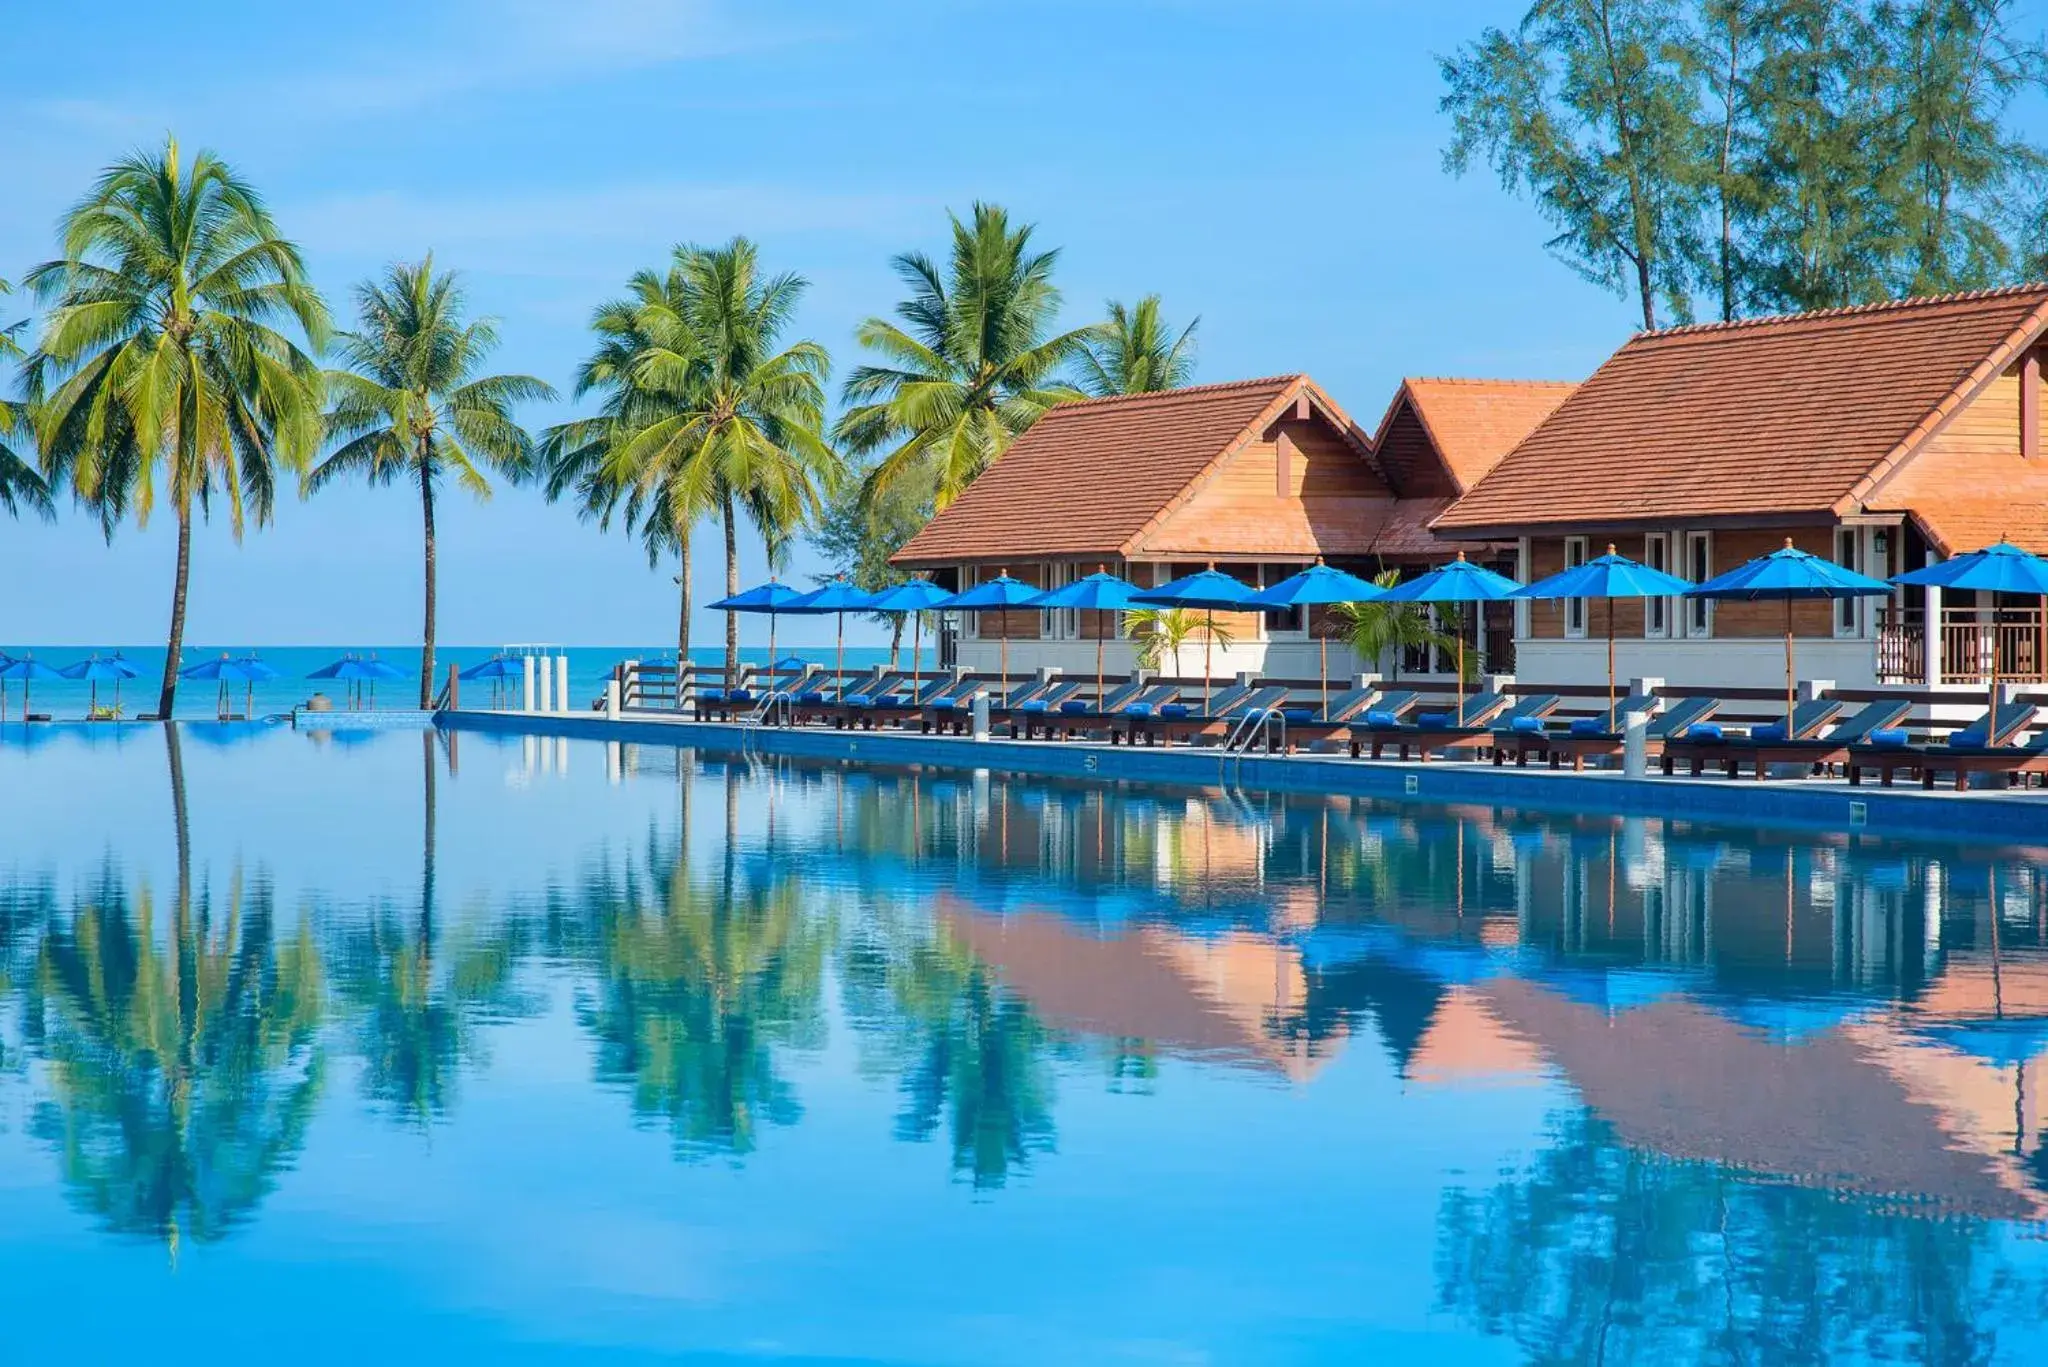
1219,386
1846,311
1480,379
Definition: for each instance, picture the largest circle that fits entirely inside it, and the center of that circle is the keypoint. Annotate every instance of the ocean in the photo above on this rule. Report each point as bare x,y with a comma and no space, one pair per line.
589,666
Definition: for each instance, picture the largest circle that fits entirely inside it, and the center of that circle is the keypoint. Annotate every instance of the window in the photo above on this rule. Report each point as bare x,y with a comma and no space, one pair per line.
1699,567
1657,611
1062,624
1574,608
1283,622
1849,555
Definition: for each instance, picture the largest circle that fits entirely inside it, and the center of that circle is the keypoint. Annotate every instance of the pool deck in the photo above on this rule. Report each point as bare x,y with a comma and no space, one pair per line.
2012,817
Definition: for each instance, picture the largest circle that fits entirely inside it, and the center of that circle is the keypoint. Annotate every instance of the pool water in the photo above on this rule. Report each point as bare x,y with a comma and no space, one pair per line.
458,1048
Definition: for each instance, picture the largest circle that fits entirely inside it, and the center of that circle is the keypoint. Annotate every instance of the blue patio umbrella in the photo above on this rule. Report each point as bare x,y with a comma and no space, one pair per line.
359,674
1097,592
771,599
255,671
839,596
916,597
1790,575
1208,589
1319,586
222,672
2003,568
98,670
992,595
1610,576
496,670
28,669
1459,582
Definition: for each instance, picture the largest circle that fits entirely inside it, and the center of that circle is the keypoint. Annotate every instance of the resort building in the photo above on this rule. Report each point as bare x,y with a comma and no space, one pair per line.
1885,437
1259,477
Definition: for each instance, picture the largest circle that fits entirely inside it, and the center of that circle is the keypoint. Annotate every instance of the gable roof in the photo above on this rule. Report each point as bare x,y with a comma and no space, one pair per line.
1090,477
1472,423
1768,417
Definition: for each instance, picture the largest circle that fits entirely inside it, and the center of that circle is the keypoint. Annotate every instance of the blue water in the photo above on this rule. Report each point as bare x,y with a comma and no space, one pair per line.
420,1048
589,667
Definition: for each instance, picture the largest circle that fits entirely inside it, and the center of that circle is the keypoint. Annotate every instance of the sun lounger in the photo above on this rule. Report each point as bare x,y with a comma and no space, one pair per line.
721,704
1112,718
948,710
1221,717
1581,742
1144,723
1769,744
1077,714
1030,713
892,704
1987,745
842,706
1376,731
1552,741
1308,722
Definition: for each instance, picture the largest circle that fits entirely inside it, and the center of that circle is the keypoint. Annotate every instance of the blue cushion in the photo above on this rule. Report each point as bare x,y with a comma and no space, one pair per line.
947,703
740,695
1380,717
1035,705
1138,709
1705,730
1589,726
710,695
1298,714
811,697
1174,709
1528,725
1770,733
1890,736
1434,721
1969,735
1073,707
886,700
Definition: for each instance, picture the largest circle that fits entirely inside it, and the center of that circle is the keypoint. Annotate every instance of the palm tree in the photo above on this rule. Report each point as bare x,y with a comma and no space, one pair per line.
409,403
161,357
1375,628
747,434
1136,352
574,457
19,482
1161,632
968,368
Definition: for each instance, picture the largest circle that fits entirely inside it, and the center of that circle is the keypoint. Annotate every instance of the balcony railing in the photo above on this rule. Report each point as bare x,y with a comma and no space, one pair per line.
1969,647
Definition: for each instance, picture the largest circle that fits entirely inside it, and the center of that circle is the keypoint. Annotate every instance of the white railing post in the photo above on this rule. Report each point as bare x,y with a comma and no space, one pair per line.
1935,636
526,684
561,683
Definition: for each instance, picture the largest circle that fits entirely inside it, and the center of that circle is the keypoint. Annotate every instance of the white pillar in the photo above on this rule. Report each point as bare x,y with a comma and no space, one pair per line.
561,683
526,684
1931,632
545,668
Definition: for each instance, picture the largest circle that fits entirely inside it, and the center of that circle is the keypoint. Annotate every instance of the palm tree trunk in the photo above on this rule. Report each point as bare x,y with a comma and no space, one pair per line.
683,611
732,587
427,632
895,640
167,696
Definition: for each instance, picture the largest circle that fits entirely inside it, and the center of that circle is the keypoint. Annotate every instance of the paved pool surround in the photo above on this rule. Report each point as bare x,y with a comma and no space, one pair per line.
2000,816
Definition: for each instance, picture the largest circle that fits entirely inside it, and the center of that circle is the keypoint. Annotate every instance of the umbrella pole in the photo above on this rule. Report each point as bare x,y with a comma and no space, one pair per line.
838,658
1791,674
1613,720
1208,668
1098,670
1461,673
771,652
1323,642
1004,686
916,653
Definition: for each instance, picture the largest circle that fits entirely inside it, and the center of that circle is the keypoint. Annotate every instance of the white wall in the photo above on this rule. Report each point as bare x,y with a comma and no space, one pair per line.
1740,663
1275,659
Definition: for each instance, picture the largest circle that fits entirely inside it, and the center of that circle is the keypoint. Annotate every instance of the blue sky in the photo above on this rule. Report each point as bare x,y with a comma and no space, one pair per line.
1274,168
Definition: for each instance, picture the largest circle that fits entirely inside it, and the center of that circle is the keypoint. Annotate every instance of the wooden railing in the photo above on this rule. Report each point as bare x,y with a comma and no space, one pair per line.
1969,648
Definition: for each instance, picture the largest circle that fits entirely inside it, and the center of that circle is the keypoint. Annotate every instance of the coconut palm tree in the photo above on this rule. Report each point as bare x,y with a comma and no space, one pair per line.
747,435
408,403
163,357
574,457
1161,632
968,367
19,482
1136,352
1373,629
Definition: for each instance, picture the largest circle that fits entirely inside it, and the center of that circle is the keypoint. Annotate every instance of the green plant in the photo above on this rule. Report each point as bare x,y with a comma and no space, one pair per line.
1161,632
161,358
408,402
1377,628
19,482
1135,351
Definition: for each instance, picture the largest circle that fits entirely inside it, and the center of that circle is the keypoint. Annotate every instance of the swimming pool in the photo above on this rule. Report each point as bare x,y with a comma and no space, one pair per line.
459,1047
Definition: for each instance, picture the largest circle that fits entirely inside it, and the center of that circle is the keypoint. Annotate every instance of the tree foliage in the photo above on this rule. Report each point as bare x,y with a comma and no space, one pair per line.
1747,156
1136,351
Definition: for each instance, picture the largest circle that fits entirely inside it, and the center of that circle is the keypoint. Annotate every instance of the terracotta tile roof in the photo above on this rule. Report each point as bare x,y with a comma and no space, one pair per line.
1474,423
1404,534
1769,416
1088,477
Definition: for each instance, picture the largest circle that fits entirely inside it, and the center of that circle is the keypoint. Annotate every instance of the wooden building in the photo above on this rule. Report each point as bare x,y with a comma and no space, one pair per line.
1885,437
1259,477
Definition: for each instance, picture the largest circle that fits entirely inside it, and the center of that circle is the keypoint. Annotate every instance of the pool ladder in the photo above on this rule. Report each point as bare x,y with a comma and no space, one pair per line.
775,708
1264,726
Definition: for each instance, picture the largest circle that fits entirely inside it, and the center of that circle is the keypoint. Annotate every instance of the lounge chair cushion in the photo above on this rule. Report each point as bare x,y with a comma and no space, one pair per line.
1296,716
1035,705
1074,707
1889,736
1770,733
1589,726
1174,709
1704,730
1528,726
812,697
1970,735
1139,709
1376,716
710,695
740,695
946,704
1434,721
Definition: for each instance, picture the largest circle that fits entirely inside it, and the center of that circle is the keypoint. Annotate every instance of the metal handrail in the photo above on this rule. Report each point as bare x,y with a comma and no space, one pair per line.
1254,725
